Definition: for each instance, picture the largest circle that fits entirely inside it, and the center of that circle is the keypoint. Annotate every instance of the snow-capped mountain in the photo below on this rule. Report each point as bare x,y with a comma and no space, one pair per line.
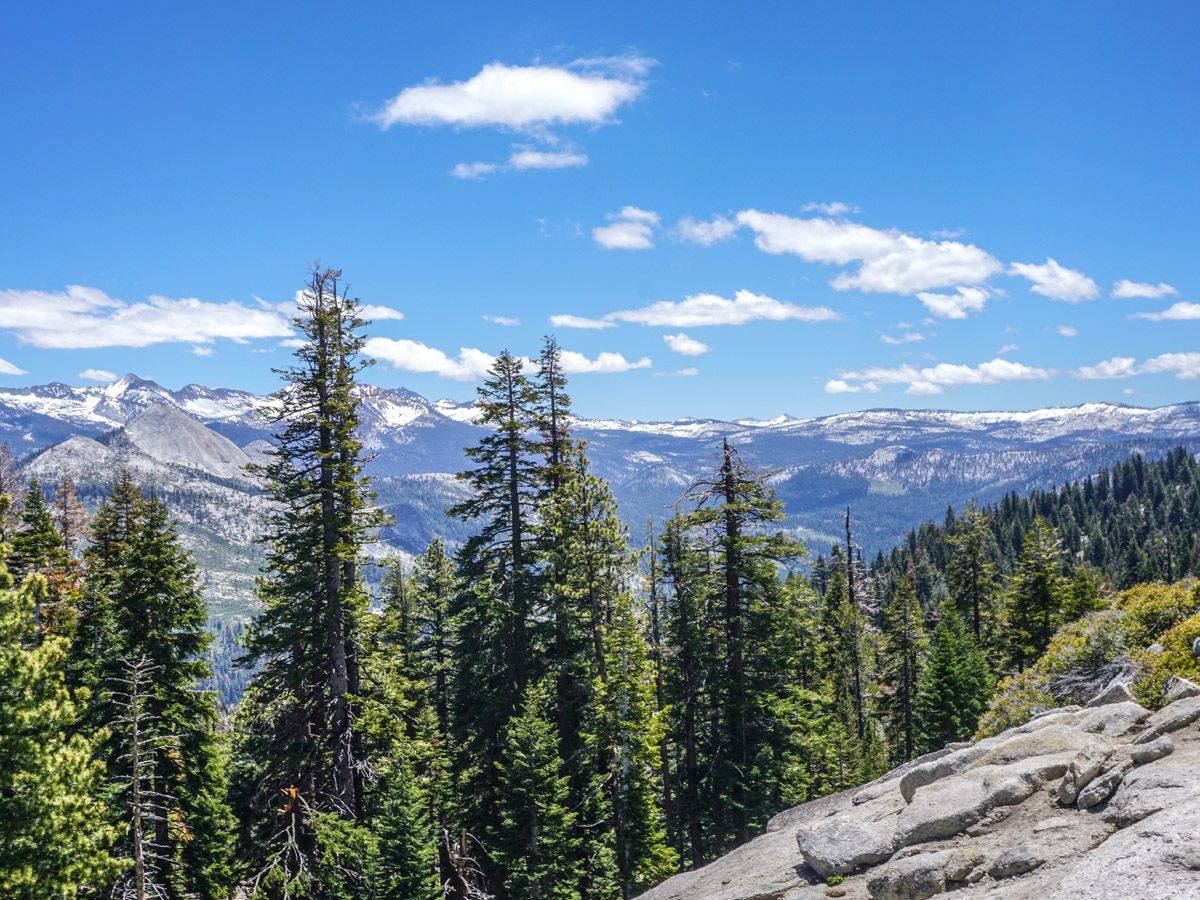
896,468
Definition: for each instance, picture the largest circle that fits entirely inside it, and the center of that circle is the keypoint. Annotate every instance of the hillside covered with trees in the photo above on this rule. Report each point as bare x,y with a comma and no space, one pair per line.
546,713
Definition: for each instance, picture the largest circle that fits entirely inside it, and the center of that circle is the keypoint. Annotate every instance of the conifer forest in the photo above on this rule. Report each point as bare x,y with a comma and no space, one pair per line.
561,706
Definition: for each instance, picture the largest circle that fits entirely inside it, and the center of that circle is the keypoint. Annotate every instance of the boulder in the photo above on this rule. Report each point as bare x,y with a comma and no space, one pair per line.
1158,858
1196,648
1019,860
838,846
1103,787
1156,749
1170,718
952,805
1178,688
1155,786
1113,719
1083,768
1117,692
923,875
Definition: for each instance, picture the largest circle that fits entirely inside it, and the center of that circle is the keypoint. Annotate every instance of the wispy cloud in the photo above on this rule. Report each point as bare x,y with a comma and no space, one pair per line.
86,317
933,380
688,372
964,300
375,313
905,337
1184,366
547,159
686,346
702,310
522,98
1176,312
568,321
1127,289
473,171
508,321
836,208
706,233
887,261
1050,279
1068,331
471,363
631,229
102,375
7,368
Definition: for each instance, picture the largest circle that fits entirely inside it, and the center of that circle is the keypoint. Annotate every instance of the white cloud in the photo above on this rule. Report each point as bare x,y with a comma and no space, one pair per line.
202,351
1068,331
836,208
840,386
7,368
85,317
956,305
473,171
521,98
1177,312
413,356
380,313
574,363
1116,367
101,375
569,321
293,343
1125,289
501,320
705,233
1186,366
710,309
546,159
1056,281
631,229
933,380
906,337
1007,348
472,364
685,346
689,372
888,261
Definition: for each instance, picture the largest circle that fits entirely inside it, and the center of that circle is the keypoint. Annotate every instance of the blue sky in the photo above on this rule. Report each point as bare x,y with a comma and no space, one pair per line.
759,208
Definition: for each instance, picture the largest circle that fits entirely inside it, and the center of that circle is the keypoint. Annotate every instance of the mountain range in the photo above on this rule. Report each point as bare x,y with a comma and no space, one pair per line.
894,468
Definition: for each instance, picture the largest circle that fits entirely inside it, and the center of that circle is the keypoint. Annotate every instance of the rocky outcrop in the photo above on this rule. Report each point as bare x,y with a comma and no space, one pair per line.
1096,802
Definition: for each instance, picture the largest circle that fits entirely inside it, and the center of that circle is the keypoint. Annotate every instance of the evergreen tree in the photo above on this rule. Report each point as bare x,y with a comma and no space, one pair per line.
37,547
690,643
903,646
156,620
408,856
629,731
954,687
55,837
536,840
972,573
497,609
735,507
299,735
1035,594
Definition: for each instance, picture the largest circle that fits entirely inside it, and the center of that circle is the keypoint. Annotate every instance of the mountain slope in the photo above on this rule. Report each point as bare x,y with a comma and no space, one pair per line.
896,468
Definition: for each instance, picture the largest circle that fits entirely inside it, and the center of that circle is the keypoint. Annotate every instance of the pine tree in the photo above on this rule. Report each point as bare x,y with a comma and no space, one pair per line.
689,639
156,621
1035,594
972,573
407,840
954,687
628,731
735,507
903,647
55,837
497,608
300,739
536,840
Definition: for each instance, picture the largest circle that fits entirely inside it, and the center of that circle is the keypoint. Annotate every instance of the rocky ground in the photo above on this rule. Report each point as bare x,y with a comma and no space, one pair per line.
1100,802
